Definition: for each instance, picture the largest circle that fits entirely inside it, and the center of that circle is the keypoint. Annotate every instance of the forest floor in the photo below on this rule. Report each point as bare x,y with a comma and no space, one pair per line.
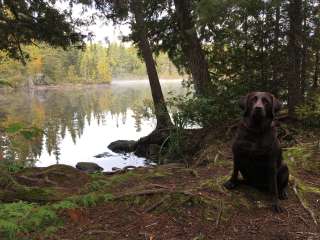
174,202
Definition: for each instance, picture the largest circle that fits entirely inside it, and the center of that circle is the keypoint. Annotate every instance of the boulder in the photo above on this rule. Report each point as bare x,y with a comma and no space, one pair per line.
123,146
89,167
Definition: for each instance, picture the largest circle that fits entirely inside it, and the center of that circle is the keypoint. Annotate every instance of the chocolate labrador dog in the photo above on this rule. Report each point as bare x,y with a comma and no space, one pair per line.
256,151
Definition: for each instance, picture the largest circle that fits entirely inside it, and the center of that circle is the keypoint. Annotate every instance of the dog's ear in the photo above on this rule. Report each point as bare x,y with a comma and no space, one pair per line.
276,105
243,102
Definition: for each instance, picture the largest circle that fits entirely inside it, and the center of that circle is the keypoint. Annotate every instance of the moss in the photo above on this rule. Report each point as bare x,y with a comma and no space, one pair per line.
121,178
38,195
90,199
157,173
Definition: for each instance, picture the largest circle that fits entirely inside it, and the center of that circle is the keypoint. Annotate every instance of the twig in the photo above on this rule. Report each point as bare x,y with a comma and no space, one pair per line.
216,158
141,193
157,204
151,224
158,186
219,213
304,205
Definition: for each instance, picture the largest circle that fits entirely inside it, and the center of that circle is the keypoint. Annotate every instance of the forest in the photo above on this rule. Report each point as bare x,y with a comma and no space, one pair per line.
249,103
96,64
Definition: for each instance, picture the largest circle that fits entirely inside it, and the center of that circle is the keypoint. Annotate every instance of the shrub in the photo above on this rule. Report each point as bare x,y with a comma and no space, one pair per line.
309,112
204,111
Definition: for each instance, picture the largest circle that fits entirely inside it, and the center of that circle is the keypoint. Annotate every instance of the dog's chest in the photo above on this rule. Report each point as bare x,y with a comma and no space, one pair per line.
254,147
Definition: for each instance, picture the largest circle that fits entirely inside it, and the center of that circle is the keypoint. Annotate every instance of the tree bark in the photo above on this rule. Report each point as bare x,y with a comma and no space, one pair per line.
192,49
294,55
161,111
304,53
315,84
275,64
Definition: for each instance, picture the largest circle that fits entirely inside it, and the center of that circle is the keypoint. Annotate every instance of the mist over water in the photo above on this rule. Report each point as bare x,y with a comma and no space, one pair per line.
79,122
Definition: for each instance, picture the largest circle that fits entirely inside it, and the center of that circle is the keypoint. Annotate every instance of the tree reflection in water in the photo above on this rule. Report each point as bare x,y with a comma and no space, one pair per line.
78,122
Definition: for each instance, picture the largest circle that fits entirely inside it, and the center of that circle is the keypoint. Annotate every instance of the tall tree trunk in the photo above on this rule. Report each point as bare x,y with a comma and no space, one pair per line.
191,47
161,111
315,84
294,54
304,52
276,62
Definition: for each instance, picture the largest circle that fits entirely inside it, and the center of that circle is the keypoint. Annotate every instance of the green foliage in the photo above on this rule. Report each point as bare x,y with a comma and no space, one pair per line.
204,111
175,140
303,157
96,185
95,64
35,21
4,83
91,199
65,204
309,112
20,217
13,166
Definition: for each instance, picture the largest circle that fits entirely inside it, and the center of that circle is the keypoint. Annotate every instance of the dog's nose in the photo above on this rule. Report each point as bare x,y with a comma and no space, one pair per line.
258,108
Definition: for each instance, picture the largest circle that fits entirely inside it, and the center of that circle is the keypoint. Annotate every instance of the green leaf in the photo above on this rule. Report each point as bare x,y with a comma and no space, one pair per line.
14,128
5,83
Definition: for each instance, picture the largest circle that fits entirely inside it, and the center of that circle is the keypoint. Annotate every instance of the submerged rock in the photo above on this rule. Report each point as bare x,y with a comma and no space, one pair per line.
89,167
123,146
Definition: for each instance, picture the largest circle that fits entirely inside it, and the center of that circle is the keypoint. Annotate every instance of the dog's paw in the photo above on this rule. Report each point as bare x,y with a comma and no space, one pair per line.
283,195
277,208
230,184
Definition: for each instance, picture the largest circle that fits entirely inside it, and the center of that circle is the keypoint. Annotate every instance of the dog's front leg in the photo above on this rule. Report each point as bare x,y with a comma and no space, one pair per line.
273,186
233,181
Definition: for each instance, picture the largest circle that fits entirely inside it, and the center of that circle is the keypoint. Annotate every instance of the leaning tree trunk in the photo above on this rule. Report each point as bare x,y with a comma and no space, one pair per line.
294,54
161,111
191,48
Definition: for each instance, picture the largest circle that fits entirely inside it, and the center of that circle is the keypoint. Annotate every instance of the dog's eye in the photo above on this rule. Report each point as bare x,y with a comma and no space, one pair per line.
265,101
254,99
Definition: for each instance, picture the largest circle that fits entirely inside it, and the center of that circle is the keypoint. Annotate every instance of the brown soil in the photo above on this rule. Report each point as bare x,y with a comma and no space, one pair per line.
244,213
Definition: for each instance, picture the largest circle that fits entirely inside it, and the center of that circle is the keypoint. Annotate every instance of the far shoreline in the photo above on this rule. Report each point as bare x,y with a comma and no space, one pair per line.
66,86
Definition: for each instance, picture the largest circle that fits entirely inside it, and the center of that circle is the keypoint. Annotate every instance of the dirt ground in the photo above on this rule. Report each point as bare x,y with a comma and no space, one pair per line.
192,205
174,202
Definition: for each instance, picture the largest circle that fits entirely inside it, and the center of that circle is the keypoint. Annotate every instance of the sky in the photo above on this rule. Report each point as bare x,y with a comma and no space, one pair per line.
100,29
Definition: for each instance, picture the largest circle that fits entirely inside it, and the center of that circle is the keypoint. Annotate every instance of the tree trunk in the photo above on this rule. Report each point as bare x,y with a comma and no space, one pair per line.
275,63
294,54
315,84
191,48
161,111
304,53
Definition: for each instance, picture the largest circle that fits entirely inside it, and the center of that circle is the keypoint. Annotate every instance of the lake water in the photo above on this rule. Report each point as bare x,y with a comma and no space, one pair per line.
80,122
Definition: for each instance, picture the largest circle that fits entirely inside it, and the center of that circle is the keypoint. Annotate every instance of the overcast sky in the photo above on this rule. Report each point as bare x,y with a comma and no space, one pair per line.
100,29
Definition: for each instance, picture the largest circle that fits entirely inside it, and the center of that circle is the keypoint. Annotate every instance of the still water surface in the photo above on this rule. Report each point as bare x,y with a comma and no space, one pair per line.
80,122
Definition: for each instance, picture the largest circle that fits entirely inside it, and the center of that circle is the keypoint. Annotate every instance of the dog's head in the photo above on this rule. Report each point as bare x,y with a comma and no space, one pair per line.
259,106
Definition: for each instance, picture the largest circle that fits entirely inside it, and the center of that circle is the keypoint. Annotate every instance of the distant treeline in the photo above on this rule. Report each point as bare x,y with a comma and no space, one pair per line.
95,64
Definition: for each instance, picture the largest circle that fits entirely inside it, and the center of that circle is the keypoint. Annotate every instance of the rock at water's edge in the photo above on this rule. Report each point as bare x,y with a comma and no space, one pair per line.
89,167
123,146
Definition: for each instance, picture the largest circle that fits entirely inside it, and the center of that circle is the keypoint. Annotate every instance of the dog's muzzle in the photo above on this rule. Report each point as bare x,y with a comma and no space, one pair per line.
258,113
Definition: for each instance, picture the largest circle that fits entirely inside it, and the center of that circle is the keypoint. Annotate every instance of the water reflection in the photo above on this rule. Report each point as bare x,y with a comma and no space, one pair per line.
79,122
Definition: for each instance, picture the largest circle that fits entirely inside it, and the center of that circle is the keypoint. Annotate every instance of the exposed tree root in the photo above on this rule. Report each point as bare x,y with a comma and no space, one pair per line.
157,204
304,205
